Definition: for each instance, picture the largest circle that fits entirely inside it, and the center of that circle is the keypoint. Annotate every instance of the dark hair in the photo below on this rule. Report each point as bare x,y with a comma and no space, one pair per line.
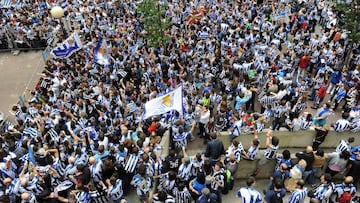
278,183
200,178
345,155
320,152
219,164
327,177
142,170
250,181
275,141
286,154
172,175
256,142
351,139
300,183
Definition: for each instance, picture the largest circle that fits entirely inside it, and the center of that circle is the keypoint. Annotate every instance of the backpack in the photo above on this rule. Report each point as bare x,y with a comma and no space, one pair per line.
228,182
345,198
282,117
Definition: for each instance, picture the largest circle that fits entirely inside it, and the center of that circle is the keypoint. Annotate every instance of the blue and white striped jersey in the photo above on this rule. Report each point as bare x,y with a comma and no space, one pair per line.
340,189
341,125
83,197
252,152
183,196
96,171
116,191
131,163
270,153
249,195
298,196
343,146
323,192
219,176
184,172
14,188
305,124
32,199
236,151
142,184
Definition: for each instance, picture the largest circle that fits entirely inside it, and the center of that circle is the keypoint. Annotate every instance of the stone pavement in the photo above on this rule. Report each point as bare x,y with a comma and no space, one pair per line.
16,74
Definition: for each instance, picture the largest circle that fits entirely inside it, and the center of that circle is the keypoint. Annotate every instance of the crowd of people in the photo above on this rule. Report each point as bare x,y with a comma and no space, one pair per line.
81,137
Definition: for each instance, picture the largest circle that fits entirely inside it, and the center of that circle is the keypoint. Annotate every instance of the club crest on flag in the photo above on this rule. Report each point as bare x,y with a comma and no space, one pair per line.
165,103
100,54
67,47
167,100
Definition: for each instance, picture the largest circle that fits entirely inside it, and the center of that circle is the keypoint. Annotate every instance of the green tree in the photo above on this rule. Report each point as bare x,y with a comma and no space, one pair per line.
349,18
349,21
154,21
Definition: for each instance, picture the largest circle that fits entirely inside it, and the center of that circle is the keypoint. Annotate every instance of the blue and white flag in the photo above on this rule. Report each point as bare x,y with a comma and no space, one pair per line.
32,132
63,4
100,53
68,47
170,101
9,3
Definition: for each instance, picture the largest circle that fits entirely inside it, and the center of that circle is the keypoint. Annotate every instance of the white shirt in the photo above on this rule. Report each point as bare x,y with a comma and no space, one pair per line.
205,117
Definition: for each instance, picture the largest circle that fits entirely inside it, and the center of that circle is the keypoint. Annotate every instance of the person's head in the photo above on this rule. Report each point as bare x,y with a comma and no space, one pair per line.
113,180
345,155
250,182
325,178
80,167
255,142
218,166
235,143
162,195
275,141
205,192
142,170
101,149
309,149
278,184
213,135
320,152
232,157
200,177
302,163
283,166
286,154
172,175
327,105
351,139
24,182
300,184
181,186
92,160
25,196
7,181
348,180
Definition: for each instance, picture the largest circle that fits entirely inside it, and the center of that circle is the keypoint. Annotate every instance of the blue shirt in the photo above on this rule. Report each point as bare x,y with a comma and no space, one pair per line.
198,186
273,196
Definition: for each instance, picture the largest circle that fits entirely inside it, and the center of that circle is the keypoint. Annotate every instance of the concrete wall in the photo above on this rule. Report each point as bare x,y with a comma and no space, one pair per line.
294,141
298,139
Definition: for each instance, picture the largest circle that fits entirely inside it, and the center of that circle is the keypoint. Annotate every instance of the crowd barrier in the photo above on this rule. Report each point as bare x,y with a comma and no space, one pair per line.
7,44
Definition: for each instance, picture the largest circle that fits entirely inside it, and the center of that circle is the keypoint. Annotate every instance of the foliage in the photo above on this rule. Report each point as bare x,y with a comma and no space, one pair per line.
154,21
349,18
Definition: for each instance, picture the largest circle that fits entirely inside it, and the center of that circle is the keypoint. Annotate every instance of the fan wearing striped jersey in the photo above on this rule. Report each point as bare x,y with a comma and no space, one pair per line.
114,190
299,194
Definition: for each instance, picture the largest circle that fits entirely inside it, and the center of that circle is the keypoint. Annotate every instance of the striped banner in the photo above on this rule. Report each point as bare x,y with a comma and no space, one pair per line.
9,3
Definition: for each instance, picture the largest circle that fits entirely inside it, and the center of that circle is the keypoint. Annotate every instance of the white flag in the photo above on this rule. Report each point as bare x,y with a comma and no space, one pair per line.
68,47
170,101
